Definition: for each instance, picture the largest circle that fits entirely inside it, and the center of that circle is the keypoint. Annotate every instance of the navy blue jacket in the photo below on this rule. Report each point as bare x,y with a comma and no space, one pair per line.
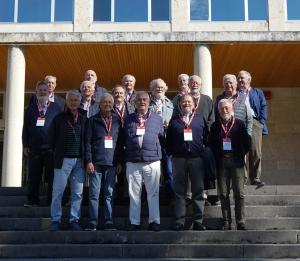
36,138
259,105
57,134
177,147
153,140
57,99
94,141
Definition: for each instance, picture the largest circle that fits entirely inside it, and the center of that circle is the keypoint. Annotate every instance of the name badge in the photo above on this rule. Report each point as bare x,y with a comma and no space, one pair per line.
108,142
188,135
40,122
227,144
140,131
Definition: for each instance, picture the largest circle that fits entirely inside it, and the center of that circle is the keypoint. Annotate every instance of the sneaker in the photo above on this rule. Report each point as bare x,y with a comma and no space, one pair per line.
109,227
198,227
154,227
31,203
226,226
241,226
133,227
55,226
258,183
91,227
178,227
74,226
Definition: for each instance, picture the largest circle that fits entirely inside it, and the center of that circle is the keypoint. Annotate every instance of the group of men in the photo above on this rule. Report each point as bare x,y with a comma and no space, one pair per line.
101,137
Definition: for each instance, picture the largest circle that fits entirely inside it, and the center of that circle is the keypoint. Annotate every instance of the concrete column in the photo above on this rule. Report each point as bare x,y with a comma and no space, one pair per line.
83,15
14,114
179,18
276,15
203,67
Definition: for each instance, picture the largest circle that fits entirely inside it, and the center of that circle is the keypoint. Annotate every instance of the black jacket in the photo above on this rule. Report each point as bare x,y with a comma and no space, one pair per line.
60,101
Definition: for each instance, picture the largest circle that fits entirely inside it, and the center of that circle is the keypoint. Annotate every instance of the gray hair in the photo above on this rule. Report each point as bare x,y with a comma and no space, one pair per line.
182,75
224,101
186,95
40,83
49,76
105,95
246,73
128,75
84,82
141,93
229,76
73,93
195,78
117,86
155,82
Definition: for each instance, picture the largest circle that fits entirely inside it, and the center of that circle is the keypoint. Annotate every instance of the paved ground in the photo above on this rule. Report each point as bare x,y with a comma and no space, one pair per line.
154,259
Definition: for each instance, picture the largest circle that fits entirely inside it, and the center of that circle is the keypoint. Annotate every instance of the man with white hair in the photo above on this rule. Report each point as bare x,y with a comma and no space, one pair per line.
183,84
258,105
90,75
230,143
128,82
88,102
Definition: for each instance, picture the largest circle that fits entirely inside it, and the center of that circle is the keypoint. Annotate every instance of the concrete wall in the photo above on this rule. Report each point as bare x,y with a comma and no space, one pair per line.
281,157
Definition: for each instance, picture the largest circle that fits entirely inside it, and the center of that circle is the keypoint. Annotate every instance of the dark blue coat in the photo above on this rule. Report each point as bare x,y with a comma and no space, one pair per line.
177,147
36,138
94,141
153,141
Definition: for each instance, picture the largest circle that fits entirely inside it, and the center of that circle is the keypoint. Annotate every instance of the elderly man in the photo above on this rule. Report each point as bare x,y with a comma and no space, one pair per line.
163,107
66,139
258,105
103,147
241,108
230,142
144,139
183,84
91,75
128,82
88,102
38,117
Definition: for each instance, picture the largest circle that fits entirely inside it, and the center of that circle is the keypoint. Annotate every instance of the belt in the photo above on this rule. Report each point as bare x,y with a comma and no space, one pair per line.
228,155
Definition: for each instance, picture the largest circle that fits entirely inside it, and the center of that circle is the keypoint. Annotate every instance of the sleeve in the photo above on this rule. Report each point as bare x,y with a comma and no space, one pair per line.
161,137
245,139
263,108
88,141
249,119
211,114
169,139
25,132
51,134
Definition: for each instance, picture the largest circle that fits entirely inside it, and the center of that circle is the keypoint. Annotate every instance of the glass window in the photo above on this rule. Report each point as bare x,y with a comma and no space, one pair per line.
257,9
229,10
6,10
34,11
131,10
160,10
199,10
64,10
102,10
293,9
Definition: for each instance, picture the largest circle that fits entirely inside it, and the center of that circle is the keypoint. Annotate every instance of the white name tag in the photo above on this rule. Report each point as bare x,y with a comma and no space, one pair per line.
188,135
108,142
140,131
40,122
227,144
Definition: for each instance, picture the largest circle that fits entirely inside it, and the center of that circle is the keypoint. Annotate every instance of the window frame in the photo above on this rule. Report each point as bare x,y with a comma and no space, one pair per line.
287,15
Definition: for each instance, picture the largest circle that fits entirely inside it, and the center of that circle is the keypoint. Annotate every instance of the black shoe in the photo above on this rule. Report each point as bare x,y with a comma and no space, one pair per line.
226,226
207,203
198,227
91,227
109,227
74,226
178,227
133,227
241,226
154,226
31,203
258,183
55,226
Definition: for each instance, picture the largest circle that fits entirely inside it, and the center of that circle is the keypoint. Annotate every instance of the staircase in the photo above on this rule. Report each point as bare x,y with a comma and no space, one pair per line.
273,222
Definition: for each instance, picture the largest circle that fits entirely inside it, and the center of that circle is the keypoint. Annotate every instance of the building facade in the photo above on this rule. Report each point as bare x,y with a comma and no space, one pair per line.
150,39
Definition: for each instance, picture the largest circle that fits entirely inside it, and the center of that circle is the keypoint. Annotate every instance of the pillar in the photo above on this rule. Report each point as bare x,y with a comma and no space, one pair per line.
14,114
203,67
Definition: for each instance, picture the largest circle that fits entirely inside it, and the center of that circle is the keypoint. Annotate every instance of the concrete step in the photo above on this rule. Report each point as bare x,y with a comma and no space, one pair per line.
40,224
150,251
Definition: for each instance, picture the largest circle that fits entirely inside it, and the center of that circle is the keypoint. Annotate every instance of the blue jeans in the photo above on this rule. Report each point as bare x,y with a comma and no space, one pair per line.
109,175
71,167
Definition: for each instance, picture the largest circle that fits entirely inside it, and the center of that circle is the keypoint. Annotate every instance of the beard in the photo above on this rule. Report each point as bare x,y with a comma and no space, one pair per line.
159,96
42,99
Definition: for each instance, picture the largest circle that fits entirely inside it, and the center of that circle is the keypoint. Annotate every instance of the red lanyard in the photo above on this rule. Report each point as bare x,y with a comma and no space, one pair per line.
187,124
228,130
76,120
41,109
142,124
121,112
107,127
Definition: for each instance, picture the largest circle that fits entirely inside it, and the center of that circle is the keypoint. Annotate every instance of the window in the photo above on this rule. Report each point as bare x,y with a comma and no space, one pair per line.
131,10
293,9
229,10
35,11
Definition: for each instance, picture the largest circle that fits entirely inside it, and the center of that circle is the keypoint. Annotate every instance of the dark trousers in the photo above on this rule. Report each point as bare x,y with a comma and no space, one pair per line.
167,173
39,164
229,175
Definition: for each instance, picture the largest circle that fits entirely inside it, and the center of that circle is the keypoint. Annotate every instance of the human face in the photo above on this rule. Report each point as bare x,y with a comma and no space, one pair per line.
243,81
42,93
183,83
159,90
187,104
128,82
230,87
87,90
119,95
90,75
106,105
142,103
51,82
195,86
225,111
73,102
